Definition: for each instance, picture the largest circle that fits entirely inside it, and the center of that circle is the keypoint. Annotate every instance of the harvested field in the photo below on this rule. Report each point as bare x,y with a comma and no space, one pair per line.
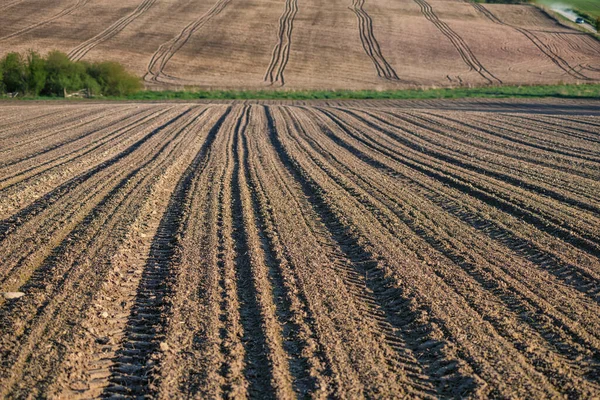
339,44
380,249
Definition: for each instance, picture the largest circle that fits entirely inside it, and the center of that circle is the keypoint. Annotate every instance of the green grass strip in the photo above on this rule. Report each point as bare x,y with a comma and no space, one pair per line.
587,91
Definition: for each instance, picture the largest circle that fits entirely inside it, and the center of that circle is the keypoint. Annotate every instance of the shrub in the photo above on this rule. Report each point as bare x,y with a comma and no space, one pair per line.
36,73
113,79
56,74
14,73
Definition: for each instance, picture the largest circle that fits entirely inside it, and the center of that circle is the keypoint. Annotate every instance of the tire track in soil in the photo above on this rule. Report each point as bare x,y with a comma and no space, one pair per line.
56,281
135,363
572,275
458,42
281,51
370,43
455,131
258,369
78,4
544,48
487,126
10,224
167,50
302,368
514,299
10,4
496,172
403,329
29,248
586,241
66,124
80,51
19,178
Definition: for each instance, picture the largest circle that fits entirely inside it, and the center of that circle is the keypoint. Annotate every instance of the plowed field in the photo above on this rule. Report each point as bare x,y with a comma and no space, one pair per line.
292,250
337,44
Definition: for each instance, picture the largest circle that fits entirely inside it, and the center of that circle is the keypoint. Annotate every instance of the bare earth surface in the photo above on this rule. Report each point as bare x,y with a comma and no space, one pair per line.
379,249
338,44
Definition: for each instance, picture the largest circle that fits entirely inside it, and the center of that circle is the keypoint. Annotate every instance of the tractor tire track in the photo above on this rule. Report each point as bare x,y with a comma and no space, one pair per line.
544,48
370,43
459,44
143,331
80,51
167,50
564,342
281,51
59,274
78,4
581,279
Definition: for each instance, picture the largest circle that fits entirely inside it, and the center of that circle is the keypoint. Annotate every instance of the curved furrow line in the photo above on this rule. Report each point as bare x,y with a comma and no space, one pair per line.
565,343
143,330
370,43
338,310
354,300
502,129
80,51
25,147
306,366
489,193
459,44
27,249
103,327
487,168
556,127
581,278
10,224
53,289
457,131
42,125
413,331
9,4
35,123
281,51
590,125
495,138
168,49
544,48
38,167
78,4
264,355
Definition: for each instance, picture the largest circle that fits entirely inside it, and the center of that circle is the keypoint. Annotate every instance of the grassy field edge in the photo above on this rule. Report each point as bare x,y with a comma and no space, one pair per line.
587,91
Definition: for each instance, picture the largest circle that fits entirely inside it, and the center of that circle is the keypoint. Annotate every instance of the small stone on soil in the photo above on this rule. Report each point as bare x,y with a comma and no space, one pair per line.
12,295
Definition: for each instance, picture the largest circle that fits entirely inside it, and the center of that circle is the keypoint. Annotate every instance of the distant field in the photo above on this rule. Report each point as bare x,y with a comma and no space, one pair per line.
309,44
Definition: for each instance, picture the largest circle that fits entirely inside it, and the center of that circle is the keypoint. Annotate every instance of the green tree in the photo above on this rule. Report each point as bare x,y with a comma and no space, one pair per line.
63,74
113,79
14,73
36,73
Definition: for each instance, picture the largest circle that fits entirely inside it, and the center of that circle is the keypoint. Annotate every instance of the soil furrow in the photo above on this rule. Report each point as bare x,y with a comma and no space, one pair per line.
514,300
69,265
143,331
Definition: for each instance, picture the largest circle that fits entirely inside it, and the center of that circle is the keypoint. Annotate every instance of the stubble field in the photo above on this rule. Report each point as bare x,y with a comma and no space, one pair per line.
334,249
338,44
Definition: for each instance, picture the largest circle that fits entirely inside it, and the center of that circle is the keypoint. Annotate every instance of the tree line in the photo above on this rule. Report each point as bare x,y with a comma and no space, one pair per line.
55,74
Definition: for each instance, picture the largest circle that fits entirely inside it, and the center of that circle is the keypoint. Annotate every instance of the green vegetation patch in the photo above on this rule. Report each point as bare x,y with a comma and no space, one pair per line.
565,91
32,75
589,7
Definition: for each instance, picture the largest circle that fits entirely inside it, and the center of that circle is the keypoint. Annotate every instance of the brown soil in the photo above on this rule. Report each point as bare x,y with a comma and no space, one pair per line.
289,250
339,44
